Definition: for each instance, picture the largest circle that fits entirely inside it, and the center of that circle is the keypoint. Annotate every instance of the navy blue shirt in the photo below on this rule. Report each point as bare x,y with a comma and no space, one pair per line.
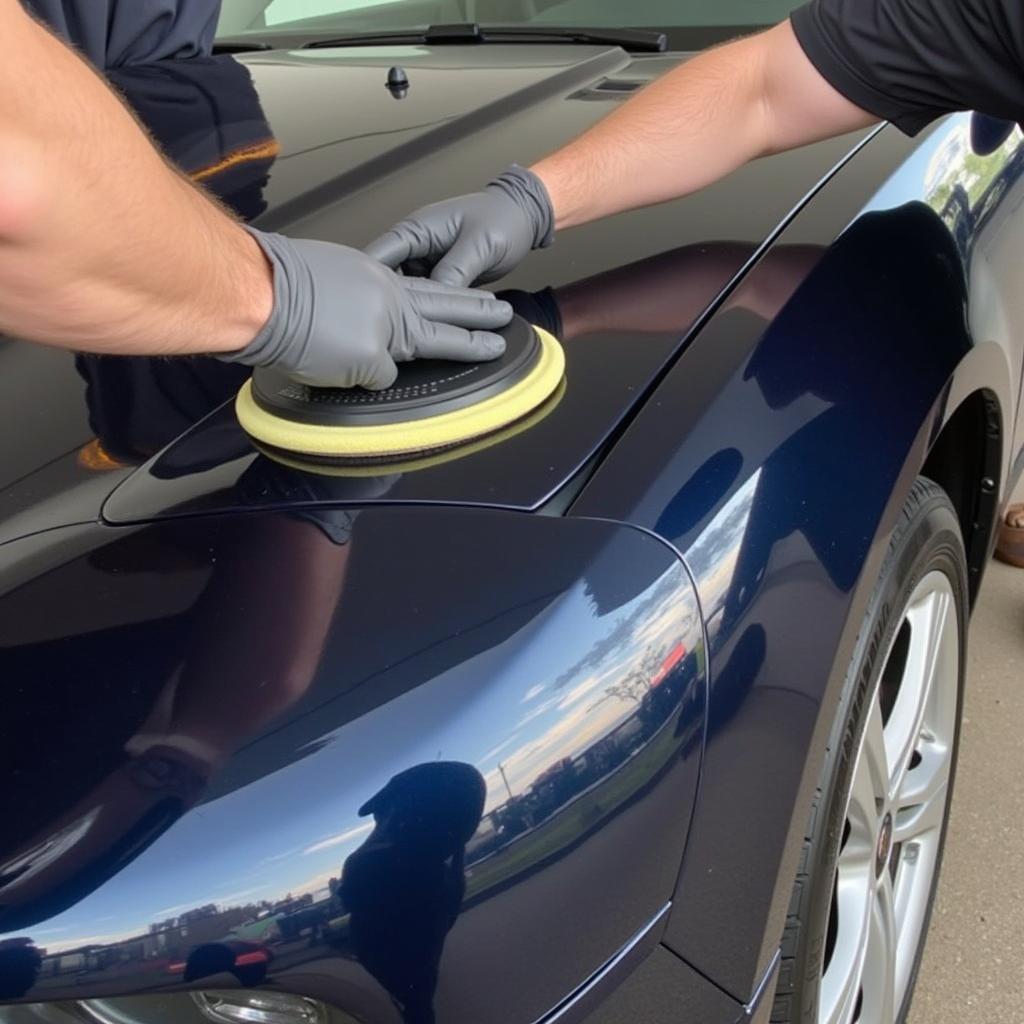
120,33
911,61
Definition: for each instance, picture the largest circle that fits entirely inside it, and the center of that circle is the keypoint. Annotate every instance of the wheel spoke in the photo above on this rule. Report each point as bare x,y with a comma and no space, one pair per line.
928,619
920,806
842,981
879,984
870,780
841,1008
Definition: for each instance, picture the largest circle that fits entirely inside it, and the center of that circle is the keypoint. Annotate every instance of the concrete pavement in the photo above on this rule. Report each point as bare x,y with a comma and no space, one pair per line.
973,970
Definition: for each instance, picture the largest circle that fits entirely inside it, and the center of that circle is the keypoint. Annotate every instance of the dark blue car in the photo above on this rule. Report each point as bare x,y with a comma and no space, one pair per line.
648,713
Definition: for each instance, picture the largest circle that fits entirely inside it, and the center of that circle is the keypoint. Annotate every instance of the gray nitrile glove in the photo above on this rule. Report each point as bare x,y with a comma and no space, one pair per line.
476,237
342,320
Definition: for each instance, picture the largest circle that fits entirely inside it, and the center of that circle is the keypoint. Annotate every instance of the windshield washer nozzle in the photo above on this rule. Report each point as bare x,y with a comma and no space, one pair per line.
398,82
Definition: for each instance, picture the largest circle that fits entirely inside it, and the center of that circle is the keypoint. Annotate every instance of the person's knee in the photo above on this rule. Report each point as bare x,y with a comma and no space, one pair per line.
23,185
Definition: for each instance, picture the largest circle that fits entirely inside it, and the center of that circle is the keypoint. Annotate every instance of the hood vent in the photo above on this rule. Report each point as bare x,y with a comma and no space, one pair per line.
610,89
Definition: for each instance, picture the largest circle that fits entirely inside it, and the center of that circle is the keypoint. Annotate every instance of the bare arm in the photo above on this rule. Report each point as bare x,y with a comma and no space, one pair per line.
698,123
708,117
103,246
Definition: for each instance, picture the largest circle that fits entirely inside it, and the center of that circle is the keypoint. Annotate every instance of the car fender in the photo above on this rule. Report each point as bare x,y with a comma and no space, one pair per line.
216,718
776,456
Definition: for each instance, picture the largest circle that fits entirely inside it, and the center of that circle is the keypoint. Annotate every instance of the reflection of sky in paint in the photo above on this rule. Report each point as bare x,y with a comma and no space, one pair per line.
525,712
568,715
913,179
714,555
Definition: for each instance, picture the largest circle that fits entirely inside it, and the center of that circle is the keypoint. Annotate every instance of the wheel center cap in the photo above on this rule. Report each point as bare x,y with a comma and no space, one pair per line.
884,848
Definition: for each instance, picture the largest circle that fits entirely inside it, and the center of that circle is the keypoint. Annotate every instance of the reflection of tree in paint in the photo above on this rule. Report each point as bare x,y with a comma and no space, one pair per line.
641,680
623,636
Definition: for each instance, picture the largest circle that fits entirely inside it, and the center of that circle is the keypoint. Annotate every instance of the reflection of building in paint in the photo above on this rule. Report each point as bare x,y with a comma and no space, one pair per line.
670,685
960,182
946,166
162,950
185,919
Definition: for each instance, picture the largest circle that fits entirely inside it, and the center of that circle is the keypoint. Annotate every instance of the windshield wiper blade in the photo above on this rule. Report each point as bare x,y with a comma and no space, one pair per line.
632,39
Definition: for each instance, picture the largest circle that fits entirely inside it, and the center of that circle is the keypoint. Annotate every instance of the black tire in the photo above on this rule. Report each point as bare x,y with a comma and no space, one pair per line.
926,538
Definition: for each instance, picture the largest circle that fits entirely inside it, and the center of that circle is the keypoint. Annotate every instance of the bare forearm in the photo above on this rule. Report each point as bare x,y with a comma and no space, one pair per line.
695,125
103,246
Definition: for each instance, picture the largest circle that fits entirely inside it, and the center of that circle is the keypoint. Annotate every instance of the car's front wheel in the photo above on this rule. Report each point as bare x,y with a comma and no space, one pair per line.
863,895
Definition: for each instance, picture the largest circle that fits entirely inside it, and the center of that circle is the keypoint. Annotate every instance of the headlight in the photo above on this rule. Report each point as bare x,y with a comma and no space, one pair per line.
260,1008
239,1006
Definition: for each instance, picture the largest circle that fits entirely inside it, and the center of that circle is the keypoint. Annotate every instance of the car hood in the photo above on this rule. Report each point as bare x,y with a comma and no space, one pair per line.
311,142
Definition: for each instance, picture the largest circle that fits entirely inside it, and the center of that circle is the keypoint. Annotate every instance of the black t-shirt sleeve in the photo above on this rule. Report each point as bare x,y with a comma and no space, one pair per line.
911,61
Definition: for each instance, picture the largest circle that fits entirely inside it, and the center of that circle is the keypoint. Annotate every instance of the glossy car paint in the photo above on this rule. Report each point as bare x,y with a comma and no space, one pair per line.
253,685
775,456
767,454
325,130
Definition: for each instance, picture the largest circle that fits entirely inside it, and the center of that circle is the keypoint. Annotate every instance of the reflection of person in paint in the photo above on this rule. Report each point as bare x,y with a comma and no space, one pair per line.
405,885
214,958
20,962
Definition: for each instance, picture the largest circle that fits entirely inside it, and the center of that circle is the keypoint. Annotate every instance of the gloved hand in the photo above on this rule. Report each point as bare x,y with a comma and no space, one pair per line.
477,237
342,320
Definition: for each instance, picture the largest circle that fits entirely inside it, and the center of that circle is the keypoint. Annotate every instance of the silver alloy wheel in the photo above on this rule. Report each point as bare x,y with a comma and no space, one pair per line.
894,816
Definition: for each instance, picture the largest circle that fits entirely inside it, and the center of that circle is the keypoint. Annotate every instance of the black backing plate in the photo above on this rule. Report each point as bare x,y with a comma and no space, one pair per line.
425,387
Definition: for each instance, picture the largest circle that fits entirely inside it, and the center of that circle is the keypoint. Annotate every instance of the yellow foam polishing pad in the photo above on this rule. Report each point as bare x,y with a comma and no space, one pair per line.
417,460
391,440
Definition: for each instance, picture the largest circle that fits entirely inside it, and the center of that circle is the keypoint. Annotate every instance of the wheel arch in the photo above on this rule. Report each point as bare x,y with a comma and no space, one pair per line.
965,460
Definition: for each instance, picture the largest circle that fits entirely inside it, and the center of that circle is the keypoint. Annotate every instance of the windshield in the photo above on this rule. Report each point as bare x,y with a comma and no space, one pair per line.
360,16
